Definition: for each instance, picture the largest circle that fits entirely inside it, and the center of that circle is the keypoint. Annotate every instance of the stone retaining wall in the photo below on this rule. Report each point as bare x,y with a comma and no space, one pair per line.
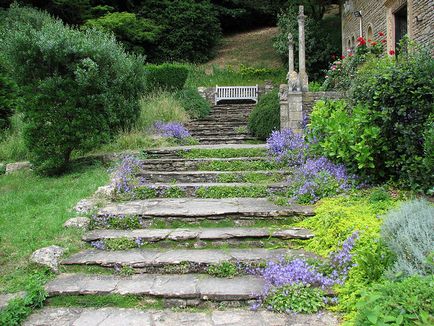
295,105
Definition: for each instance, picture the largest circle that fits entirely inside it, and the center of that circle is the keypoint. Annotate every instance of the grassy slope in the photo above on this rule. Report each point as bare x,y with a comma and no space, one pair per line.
32,212
254,48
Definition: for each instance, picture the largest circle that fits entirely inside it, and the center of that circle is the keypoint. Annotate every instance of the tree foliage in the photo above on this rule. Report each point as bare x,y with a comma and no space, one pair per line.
81,87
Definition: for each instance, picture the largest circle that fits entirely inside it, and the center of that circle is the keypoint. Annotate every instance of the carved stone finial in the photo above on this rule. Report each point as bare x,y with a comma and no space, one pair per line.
290,38
301,11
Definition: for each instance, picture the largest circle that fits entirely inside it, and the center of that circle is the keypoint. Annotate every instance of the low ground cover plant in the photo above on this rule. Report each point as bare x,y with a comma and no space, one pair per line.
196,106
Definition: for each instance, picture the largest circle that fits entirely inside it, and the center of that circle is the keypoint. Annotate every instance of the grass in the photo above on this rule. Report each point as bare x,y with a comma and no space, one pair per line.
32,212
12,146
237,166
101,301
233,76
223,153
247,48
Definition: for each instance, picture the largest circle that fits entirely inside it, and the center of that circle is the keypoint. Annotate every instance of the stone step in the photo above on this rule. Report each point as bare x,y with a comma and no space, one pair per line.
214,124
169,164
212,129
220,134
180,261
211,141
243,211
190,189
199,234
204,176
133,317
222,138
195,288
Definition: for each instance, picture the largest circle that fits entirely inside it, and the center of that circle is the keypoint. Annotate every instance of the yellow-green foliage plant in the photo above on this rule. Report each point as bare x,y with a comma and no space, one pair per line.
337,219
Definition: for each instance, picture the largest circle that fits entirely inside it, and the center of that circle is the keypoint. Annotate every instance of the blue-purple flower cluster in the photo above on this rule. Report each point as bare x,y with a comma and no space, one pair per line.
172,130
299,271
125,175
317,178
287,147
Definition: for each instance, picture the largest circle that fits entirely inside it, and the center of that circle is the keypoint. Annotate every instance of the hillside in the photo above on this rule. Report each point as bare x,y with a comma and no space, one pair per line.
253,48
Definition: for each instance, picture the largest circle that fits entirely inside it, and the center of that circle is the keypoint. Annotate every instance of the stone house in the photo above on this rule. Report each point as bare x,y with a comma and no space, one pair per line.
394,18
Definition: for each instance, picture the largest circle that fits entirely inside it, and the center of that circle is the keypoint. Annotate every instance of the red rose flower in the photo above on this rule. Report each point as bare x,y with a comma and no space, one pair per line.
380,34
361,41
392,52
383,41
374,43
342,57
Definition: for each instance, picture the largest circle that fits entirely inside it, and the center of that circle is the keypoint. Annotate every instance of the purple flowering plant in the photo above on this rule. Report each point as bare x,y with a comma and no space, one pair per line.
320,274
287,147
313,177
171,130
125,176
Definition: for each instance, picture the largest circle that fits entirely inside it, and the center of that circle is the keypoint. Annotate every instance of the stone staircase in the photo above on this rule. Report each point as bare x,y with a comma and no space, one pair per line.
161,250
226,124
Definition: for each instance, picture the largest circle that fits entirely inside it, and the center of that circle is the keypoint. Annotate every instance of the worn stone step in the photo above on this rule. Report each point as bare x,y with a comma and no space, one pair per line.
169,164
243,211
211,141
176,151
196,287
155,235
133,317
202,124
205,176
180,261
190,189
219,133
224,138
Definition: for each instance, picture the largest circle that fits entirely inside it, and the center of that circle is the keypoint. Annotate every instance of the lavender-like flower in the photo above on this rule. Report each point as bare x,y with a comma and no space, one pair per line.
98,244
171,129
287,147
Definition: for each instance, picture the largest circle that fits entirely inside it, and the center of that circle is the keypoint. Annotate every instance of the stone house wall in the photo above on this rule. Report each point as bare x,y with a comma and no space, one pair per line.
378,16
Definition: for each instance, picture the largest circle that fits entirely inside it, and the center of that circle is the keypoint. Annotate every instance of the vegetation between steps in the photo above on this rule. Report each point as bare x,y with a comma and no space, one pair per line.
223,153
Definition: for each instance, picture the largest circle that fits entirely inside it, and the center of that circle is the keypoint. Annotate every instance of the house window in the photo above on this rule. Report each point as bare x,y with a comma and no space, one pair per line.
401,25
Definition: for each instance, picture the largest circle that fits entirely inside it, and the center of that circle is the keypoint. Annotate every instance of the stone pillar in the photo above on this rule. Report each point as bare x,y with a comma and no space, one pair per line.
302,51
292,75
291,109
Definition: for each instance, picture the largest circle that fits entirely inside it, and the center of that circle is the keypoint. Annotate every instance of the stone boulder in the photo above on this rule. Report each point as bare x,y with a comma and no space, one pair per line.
80,222
48,256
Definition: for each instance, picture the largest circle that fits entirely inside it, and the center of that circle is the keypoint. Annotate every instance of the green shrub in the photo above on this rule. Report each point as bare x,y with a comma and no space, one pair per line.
8,100
265,116
195,105
17,310
166,77
408,232
399,95
344,134
136,33
296,298
82,86
409,302
190,32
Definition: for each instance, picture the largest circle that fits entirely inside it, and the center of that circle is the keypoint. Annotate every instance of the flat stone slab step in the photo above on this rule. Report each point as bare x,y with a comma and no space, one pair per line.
198,207
190,260
205,234
187,286
204,176
181,164
189,190
136,317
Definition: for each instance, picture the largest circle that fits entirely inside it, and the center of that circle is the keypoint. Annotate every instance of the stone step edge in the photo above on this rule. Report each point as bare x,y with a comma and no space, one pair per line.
275,185
155,235
180,160
170,173
185,286
130,316
201,258
204,147
203,207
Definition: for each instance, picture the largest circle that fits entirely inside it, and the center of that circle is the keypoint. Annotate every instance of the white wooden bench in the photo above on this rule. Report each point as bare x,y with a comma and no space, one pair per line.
236,93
